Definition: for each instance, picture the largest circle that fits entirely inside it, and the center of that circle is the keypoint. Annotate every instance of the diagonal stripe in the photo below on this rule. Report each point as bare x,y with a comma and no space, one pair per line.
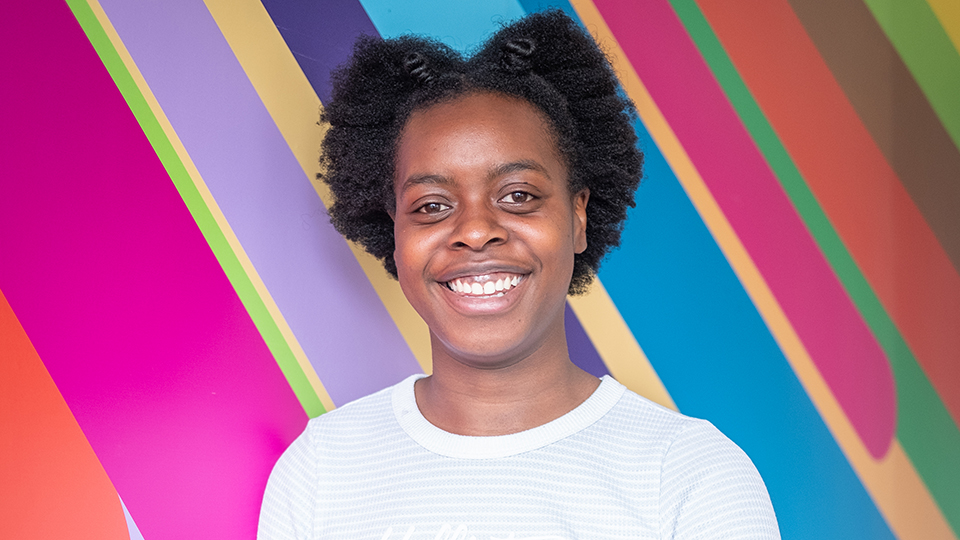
251,289
709,356
856,187
622,355
920,423
948,13
53,486
616,345
599,315
824,317
926,48
882,229
462,25
889,480
120,294
134,531
272,207
582,352
320,35
892,107
294,107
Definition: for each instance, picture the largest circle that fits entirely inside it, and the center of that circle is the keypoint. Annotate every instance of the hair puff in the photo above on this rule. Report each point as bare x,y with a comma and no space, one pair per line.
544,59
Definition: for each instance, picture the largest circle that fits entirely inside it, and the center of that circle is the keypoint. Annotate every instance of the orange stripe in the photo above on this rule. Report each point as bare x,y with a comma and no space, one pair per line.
616,345
295,108
859,191
53,485
948,13
893,483
229,236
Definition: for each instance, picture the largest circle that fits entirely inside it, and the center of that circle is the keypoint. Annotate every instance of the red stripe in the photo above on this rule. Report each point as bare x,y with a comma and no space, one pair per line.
53,485
859,191
836,337
124,300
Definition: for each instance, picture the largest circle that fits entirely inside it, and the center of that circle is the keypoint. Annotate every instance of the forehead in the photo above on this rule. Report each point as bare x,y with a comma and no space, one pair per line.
480,129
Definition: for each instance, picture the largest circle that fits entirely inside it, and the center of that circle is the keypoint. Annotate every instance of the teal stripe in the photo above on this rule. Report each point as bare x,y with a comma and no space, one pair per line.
461,25
926,49
713,351
925,429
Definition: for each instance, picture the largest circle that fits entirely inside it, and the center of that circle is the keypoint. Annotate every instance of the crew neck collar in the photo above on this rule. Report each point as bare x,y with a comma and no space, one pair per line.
452,445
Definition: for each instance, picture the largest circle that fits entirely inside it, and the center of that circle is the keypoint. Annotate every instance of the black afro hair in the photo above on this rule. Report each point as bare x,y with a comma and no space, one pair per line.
545,59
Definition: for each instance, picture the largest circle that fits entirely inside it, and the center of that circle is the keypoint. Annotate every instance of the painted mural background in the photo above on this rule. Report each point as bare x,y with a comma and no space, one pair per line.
174,304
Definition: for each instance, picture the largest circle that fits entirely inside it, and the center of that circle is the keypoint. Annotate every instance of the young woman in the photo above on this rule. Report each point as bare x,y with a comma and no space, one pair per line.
491,188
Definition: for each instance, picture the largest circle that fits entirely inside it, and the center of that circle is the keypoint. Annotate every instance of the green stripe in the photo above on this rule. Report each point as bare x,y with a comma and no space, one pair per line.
926,49
201,213
925,429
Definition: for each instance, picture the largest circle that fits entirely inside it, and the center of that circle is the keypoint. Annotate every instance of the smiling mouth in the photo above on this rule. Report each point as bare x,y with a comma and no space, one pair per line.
484,285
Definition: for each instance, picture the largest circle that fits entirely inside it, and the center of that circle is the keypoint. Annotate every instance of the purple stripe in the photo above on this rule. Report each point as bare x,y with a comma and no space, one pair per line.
118,290
582,351
320,35
275,212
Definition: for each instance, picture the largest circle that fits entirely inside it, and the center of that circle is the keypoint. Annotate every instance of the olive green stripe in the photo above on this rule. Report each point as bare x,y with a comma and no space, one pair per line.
926,49
198,209
925,428
902,123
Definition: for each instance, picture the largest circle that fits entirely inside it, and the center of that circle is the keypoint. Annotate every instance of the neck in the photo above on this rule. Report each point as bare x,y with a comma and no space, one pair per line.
468,400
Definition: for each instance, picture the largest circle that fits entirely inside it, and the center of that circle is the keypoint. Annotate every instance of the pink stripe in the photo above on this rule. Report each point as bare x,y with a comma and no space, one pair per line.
837,338
123,299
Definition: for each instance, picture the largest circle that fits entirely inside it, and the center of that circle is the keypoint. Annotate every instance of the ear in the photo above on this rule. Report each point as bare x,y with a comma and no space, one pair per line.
580,201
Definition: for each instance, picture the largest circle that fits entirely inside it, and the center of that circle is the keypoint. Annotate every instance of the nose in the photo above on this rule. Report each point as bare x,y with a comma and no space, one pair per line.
478,226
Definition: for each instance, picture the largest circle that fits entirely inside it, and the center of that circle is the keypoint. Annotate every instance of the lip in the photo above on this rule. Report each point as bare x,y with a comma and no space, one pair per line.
480,269
487,304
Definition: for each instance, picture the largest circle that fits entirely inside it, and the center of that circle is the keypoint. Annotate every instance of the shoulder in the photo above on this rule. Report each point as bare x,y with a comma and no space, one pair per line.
707,486
637,422
290,499
352,420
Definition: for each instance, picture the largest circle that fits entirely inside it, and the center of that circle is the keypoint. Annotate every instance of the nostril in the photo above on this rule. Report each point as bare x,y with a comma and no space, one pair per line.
479,243
477,231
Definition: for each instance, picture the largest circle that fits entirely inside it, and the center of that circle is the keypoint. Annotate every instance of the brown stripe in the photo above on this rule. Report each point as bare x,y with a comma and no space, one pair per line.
892,107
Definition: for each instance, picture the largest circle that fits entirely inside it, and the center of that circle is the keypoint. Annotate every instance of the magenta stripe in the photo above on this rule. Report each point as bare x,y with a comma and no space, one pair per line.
123,299
269,202
825,318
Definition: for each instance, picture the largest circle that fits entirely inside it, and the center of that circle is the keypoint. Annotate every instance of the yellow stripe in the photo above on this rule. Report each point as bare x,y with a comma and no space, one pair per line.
614,341
892,482
218,216
948,13
295,107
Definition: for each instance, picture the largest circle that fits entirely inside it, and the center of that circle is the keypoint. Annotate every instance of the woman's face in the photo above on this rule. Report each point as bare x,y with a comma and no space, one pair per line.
486,229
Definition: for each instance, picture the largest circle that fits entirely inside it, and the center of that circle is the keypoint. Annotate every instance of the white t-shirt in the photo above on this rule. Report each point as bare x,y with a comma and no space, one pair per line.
617,466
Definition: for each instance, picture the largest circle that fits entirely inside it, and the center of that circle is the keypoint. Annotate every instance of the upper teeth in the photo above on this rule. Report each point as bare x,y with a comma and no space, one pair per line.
478,287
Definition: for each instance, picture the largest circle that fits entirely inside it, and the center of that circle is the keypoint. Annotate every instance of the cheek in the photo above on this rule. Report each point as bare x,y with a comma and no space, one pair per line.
403,256
400,249
414,248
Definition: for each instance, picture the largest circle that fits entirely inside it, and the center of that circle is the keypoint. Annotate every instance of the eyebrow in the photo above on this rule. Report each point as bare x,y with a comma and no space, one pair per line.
420,179
498,171
516,166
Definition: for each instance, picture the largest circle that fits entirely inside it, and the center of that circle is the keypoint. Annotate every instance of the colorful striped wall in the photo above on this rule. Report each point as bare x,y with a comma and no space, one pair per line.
174,304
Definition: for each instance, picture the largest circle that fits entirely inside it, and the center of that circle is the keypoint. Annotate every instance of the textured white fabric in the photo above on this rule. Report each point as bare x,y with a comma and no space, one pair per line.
617,466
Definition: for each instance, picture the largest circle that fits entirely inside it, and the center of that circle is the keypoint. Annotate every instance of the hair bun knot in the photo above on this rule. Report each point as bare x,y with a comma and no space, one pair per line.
517,53
417,69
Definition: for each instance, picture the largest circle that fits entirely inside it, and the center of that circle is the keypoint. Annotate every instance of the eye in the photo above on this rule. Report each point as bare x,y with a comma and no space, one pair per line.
517,197
432,208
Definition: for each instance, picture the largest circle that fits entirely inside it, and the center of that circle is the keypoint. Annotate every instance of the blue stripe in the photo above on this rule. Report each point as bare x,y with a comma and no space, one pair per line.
696,323
713,352
460,25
